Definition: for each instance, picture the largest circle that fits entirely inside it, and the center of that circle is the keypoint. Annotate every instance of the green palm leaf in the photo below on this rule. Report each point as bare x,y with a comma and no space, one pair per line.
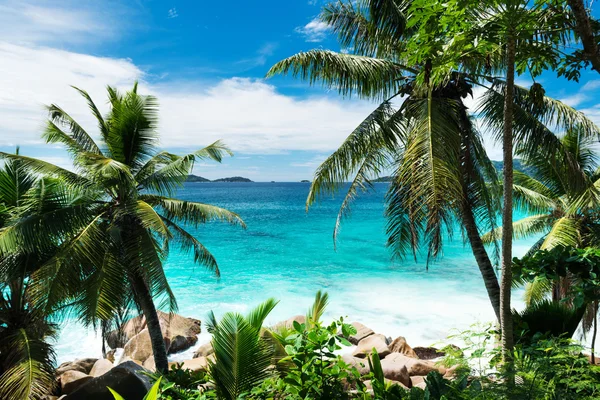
192,212
30,372
366,77
242,358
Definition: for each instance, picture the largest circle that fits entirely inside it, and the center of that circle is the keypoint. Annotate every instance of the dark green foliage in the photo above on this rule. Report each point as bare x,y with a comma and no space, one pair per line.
181,384
547,316
580,266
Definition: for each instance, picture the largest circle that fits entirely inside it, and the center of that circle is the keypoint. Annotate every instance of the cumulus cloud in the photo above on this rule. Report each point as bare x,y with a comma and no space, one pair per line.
31,77
172,13
314,31
250,115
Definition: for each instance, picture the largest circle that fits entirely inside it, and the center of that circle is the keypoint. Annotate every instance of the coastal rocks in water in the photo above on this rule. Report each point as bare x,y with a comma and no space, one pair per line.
360,364
428,353
366,346
101,367
289,323
127,379
361,333
414,366
171,325
83,365
139,347
181,343
399,345
71,380
204,350
150,364
396,372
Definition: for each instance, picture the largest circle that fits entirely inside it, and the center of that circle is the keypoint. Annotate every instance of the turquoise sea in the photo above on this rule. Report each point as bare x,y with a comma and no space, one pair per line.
288,254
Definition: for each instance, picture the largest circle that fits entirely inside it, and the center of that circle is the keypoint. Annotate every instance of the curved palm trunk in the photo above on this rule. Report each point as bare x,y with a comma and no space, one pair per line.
479,252
483,260
593,357
506,319
144,299
585,31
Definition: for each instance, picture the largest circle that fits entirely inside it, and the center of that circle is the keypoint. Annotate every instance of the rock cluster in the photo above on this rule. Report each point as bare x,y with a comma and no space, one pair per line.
88,378
400,363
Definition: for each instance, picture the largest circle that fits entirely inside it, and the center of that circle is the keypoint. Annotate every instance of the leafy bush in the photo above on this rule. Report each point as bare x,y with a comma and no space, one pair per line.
313,370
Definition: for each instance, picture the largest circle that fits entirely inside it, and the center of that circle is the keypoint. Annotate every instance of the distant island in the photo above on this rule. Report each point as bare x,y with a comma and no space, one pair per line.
305,181
233,179
196,178
383,179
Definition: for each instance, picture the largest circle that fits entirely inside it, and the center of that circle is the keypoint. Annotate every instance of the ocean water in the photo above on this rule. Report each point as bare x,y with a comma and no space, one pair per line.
288,254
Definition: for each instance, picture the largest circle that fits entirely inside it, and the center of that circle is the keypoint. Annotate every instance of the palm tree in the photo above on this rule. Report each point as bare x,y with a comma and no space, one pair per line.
26,358
113,242
431,144
561,211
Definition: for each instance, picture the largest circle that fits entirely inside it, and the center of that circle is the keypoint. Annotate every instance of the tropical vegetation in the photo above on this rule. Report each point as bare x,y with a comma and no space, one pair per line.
435,56
90,242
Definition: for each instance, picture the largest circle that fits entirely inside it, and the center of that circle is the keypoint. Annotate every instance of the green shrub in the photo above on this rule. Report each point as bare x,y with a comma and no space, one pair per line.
313,370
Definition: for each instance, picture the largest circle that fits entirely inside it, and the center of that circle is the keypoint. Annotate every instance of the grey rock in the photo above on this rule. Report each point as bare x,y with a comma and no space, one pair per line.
127,379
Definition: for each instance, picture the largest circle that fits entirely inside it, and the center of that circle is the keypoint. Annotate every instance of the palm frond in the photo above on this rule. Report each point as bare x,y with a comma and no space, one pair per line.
30,372
366,77
132,137
102,125
428,178
523,228
364,153
37,166
565,232
192,212
189,243
166,172
315,312
78,135
373,35
537,291
256,317
242,358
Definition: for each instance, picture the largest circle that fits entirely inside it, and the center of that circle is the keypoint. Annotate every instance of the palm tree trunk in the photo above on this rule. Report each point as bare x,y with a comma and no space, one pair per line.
483,260
583,27
593,359
144,299
506,319
479,252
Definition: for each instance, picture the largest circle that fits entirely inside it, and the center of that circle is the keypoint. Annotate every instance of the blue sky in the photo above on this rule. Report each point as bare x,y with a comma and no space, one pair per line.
205,61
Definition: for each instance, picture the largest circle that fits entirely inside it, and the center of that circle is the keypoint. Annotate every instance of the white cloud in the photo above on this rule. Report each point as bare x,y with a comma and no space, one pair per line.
29,22
31,77
314,31
249,115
